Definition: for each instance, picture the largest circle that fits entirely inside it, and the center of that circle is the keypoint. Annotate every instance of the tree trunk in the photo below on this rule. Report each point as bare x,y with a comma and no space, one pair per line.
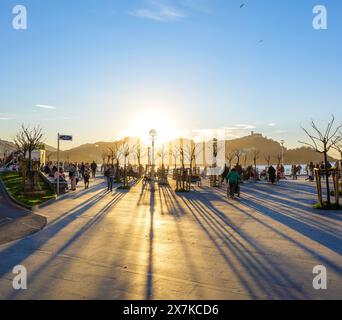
326,173
125,174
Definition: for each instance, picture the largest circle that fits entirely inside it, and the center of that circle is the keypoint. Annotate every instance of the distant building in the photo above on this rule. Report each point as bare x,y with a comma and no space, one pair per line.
254,134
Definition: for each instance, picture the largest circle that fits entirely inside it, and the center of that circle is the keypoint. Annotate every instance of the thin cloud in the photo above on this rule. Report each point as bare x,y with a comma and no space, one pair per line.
272,124
245,126
44,106
5,118
159,11
280,132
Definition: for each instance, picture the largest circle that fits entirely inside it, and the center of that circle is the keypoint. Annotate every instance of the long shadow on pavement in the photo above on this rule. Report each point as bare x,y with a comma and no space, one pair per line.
22,249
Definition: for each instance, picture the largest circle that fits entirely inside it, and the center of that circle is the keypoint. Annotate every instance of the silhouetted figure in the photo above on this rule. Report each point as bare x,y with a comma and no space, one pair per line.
233,182
224,175
93,167
272,174
86,177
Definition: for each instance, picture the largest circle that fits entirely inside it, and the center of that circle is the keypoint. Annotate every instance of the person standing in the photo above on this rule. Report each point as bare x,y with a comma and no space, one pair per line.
86,178
72,176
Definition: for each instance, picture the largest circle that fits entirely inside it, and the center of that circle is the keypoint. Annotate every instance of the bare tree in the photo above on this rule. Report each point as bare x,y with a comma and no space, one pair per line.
238,154
137,152
27,140
162,154
338,147
256,155
230,158
279,158
245,156
191,152
178,151
113,152
124,152
268,160
104,156
322,141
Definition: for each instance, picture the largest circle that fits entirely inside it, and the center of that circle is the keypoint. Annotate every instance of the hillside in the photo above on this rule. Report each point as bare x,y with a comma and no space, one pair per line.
8,147
84,153
266,147
304,154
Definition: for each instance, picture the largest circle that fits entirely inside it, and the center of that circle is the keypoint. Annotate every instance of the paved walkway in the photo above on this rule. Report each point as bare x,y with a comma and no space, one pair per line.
16,222
158,245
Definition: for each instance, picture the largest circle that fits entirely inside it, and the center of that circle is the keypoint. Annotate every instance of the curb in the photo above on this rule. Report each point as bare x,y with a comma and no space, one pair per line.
17,203
10,198
29,215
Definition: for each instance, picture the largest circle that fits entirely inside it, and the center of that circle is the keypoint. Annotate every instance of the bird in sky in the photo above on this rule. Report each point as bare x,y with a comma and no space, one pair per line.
242,5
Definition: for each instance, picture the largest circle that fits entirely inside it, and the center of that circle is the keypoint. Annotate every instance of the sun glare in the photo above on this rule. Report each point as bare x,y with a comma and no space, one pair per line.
145,121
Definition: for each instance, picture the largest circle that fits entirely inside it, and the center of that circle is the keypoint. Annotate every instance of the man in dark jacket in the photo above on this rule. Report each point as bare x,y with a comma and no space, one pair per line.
93,167
272,174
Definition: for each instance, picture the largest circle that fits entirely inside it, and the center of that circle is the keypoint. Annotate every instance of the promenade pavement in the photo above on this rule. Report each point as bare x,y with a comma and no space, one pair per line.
155,244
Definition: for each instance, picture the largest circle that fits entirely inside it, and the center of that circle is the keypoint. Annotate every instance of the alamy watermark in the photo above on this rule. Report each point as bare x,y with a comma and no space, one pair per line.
19,21
320,280
319,22
20,280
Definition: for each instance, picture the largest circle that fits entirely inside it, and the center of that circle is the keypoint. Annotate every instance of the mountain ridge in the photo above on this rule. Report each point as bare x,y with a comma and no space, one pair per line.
265,146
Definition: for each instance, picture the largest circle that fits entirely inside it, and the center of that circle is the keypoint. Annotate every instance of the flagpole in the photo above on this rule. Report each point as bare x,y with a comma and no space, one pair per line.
57,165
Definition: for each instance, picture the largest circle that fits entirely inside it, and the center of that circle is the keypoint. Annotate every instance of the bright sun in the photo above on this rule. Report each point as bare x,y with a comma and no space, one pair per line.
145,121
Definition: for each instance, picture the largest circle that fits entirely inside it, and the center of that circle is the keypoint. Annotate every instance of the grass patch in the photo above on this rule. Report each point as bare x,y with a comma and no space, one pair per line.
326,206
13,184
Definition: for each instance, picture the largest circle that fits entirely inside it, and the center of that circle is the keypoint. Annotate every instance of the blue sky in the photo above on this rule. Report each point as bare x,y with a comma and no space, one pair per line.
98,69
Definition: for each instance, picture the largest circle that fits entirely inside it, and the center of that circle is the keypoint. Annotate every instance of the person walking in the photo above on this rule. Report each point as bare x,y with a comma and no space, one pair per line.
225,174
233,182
86,178
82,170
110,175
272,174
93,167
73,176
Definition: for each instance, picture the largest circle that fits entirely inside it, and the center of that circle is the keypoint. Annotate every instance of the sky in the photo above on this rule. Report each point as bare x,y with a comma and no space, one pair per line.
103,69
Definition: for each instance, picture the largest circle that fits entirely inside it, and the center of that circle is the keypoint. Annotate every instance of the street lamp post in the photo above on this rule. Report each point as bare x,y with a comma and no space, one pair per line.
282,151
153,134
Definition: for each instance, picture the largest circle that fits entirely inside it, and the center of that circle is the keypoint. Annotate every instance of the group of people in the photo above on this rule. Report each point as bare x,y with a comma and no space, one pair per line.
321,167
75,171
296,171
